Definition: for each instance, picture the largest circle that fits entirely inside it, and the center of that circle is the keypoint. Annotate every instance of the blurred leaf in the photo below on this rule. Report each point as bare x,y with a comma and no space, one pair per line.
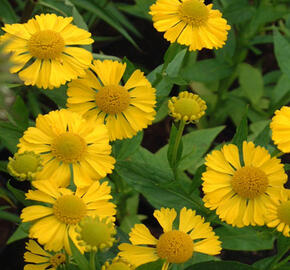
245,238
226,53
251,82
57,95
18,194
281,89
7,13
264,263
9,216
33,103
19,113
264,138
162,111
79,258
171,53
241,132
172,138
3,166
130,68
238,12
220,265
282,52
20,233
157,265
9,135
140,9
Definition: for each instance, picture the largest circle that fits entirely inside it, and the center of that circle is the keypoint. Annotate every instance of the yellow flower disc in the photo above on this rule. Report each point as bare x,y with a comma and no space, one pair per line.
46,44
68,147
57,259
175,246
194,12
113,99
283,212
69,209
249,182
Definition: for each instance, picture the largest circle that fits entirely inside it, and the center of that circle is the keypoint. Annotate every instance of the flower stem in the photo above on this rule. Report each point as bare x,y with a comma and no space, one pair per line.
92,260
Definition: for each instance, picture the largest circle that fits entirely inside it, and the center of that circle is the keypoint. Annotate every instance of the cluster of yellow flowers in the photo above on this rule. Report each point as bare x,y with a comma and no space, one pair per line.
68,151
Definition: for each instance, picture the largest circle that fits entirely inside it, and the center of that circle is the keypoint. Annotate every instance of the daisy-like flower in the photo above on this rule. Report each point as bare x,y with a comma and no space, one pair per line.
117,264
187,107
174,245
125,108
45,50
190,23
39,259
63,139
54,223
240,191
95,233
280,126
278,214
25,166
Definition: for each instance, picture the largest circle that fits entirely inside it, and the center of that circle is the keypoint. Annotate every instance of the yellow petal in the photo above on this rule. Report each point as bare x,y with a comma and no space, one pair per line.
33,247
211,246
34,212
231,153
165,217
140,235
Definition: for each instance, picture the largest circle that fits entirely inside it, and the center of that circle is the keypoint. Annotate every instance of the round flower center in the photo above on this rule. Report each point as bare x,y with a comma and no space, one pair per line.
69,209
175,246
284,212
186,106
57,259
249,182
96,233
46,44
26,162
119,266
68,147
193,12
113,99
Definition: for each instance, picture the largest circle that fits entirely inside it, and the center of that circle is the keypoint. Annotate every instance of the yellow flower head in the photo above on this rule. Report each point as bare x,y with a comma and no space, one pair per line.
53,223
100,95
25,166
117,264
187,107
63,138
95,233
190,23
280,126
278,213
45,50
241,191
174,245
39,259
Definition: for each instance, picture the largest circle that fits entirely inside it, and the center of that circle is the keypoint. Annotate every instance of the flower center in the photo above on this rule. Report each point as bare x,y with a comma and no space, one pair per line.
284,212
96,233
175,246
113,99
68,147
26,162
57,259
249,182
69,209
119,266
46,44
193,12
186,106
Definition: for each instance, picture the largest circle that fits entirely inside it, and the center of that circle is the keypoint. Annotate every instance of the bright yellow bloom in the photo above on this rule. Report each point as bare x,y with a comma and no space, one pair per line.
190,23
117,264
95,233
100,96
45,52
278,214
53,223
64,139
39,259
241,191
280,126
174,245
187,107
25,166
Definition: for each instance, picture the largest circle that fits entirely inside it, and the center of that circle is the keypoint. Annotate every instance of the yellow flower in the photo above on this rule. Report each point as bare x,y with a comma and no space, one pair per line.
190,23
187,107
53,223
280,126
278,214
64,139
39,259
117,264
45,50
174,245
100,95
95,233
25,166
240,191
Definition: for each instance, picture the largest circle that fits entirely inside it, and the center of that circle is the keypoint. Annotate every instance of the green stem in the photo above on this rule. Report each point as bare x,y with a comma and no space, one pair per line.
176,144
28,10
274,264
92,260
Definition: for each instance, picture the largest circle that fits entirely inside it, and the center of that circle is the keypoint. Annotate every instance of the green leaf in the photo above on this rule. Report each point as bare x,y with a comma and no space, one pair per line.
9,135
20,233
157,265
238,12
245,238
19,113
251,82
140,9
171,53
220,265
226,53
3,166
282,88
242,132
264,138
18,194
79,258
282,52
171,144
7,13
58,96
9,216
